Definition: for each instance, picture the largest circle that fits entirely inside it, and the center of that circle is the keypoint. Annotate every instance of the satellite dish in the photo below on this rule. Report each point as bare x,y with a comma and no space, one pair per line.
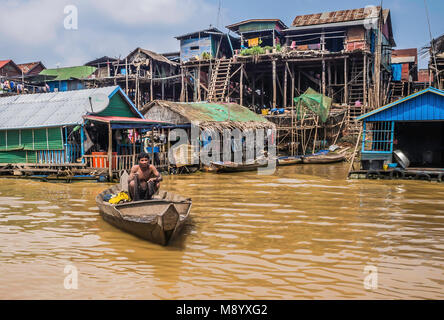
97,103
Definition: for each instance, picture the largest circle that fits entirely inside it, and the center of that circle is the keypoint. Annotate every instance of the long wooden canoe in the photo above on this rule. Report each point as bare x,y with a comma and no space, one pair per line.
323,158
158,220
220,167
290,160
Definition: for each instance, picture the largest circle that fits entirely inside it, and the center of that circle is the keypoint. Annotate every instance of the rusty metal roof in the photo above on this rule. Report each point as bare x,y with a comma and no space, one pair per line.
336,16
27,67
4,62
405,55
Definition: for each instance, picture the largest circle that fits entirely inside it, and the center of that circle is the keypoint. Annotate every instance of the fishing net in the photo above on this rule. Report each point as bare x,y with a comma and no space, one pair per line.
314,102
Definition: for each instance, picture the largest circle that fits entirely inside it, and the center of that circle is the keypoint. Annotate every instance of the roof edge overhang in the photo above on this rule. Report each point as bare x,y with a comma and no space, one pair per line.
127,99
390,105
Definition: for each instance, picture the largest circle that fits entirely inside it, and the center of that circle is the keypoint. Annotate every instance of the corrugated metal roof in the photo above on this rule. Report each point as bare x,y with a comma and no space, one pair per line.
235,25
4,62
80,72
403,59
47,109
334,16
27,67
425,105
404,53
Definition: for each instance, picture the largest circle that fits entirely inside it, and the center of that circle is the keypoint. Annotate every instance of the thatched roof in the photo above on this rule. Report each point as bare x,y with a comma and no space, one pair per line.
216,116
153,55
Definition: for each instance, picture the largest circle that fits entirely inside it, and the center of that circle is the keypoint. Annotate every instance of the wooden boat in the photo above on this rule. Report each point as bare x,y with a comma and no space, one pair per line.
228,166
290,160
158,220
323,158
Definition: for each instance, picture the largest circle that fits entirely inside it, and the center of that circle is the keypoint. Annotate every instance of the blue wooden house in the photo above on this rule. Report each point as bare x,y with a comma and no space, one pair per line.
67,79
205,44
414,125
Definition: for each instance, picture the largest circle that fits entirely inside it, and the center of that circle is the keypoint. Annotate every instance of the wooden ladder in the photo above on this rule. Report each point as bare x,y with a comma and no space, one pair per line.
356,90
397,90
220,79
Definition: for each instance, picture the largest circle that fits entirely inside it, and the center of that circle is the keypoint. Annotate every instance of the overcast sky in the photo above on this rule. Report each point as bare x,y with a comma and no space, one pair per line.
34,30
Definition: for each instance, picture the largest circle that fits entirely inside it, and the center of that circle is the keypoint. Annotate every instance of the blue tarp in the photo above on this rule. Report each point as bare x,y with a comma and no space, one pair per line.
396,71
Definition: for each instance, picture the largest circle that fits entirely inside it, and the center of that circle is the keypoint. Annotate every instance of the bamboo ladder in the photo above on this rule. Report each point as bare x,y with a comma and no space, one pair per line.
219,80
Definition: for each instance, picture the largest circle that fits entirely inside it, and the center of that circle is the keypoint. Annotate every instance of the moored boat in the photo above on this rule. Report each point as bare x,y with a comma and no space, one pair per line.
227,166
290,160
159,220
323,158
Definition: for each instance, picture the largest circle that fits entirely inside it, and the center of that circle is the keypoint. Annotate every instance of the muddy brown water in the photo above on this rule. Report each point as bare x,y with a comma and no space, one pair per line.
302,233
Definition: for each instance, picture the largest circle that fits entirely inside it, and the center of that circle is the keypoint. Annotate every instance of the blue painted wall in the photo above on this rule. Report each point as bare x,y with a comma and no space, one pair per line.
428,106
195,47
65,85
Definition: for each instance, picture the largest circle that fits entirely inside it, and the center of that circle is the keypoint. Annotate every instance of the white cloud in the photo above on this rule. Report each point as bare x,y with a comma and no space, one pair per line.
33,30
151,12
31,22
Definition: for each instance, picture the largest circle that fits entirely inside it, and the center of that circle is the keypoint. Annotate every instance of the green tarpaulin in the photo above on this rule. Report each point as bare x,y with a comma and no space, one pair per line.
315,102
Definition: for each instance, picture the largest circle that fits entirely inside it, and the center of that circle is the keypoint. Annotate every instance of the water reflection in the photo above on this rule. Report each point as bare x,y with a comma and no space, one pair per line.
303,232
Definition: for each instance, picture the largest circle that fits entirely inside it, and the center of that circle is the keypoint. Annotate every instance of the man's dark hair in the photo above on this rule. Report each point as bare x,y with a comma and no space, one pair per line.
143,155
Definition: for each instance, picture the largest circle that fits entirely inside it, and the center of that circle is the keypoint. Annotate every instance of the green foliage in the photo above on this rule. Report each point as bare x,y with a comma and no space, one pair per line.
206,55
278,47
253,51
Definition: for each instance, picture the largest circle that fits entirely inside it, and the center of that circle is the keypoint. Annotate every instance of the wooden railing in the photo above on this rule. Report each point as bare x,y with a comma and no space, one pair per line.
101,161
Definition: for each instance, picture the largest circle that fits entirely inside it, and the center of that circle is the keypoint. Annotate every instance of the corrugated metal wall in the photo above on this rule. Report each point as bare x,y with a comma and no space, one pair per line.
426,107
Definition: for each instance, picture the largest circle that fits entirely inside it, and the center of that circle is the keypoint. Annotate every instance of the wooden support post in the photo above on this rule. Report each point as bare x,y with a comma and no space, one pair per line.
110,153
182,90
274,81
254,90
292,87
134,146
151,80
329,79
198,84
152,145
262,92
365,82
345,82
324,88
285,84
241,91
126,75
299,82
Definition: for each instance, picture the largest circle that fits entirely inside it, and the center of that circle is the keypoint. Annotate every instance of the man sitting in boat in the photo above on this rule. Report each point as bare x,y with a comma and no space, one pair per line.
144,179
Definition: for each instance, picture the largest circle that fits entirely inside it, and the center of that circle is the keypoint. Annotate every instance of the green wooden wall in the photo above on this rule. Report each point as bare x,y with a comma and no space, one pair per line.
117,107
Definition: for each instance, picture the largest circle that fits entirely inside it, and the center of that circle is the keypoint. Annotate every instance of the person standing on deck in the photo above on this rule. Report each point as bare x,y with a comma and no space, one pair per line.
144,179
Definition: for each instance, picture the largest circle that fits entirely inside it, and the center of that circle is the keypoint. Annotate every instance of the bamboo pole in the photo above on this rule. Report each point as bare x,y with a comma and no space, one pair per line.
354,152
274,81
110,153
151,80
241,89
285,85
365,81
134,146
126,75
345,82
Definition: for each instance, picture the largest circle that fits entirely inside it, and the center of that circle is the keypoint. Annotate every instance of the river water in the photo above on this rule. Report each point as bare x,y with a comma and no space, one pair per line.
303,232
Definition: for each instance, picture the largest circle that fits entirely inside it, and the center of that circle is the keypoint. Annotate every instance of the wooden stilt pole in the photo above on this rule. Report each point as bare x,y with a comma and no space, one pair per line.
274,82
110,153
241,89
345,82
